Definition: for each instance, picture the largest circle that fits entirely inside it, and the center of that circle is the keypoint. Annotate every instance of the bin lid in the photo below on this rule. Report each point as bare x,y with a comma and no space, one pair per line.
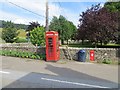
82,51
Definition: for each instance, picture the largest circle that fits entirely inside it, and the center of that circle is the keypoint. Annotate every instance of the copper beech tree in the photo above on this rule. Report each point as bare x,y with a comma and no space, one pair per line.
31,27
98,25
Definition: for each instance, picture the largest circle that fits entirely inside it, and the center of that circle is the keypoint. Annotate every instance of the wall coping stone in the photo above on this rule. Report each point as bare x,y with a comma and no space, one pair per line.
63,48
90,48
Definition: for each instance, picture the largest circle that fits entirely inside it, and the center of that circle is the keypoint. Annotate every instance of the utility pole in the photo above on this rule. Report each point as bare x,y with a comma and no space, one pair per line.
47,27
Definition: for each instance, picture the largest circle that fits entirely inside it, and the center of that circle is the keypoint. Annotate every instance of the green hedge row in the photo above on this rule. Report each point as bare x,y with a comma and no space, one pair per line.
22,54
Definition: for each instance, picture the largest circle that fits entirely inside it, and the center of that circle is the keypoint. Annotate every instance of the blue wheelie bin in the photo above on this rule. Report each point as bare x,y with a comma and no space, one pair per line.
82,56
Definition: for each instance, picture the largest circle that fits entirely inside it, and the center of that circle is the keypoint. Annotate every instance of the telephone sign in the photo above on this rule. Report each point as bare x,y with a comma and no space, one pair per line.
52,46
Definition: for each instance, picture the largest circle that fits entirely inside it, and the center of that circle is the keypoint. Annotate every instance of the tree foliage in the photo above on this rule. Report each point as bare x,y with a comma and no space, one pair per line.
37,36
7,24
97,24
64,27
9,32
31,27
115,7
17,26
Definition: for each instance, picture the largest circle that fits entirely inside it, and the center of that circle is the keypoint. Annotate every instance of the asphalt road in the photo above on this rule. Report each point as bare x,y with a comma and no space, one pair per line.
19,73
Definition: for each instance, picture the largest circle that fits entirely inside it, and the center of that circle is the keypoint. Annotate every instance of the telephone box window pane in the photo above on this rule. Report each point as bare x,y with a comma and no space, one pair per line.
49,41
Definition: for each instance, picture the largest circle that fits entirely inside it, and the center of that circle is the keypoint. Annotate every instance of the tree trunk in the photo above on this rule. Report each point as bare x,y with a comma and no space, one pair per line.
67,42
95,44
101,42
62,41
82,41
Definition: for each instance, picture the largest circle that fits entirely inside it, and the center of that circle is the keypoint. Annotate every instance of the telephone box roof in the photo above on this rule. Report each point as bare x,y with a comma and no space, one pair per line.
51,32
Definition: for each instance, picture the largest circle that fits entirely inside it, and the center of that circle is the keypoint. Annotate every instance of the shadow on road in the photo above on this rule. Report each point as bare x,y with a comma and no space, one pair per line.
78,76
33,80
69,73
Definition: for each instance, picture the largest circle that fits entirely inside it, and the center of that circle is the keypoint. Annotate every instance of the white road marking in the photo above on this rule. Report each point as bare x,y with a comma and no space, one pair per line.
84,63
75,83
4,72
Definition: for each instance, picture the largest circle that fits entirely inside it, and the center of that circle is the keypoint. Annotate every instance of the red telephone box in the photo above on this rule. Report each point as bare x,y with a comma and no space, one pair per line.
92,55
52,46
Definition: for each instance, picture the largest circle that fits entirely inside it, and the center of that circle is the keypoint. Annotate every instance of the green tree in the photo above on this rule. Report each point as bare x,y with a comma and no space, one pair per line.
37,36
7,24
9,32
55,24
113,6
73,30
64,27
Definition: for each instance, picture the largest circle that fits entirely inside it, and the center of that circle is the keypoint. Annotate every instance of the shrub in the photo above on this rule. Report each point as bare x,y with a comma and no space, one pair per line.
9,32
22,54
21,40
37,36
107,61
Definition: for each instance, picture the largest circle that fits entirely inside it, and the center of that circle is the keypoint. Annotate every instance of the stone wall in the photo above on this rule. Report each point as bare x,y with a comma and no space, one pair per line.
100,53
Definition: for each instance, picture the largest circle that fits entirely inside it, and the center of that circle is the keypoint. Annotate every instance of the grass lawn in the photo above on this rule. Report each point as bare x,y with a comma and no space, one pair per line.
1,41
21,36
113,44
22,33
109,46
79,45
0,29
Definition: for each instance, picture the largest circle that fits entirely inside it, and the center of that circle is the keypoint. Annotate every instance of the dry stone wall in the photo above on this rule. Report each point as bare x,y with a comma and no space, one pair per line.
100,53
